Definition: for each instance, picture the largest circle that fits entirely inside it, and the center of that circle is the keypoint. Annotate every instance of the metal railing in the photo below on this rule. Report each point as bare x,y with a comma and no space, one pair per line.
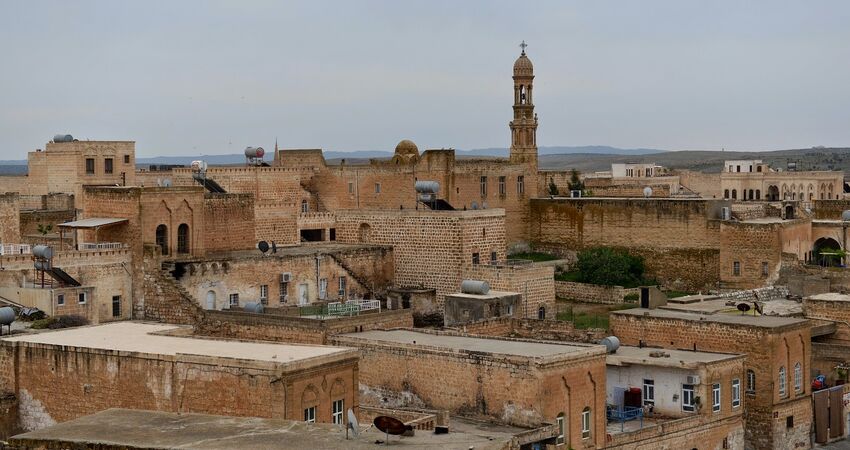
15,249
365,305
100,245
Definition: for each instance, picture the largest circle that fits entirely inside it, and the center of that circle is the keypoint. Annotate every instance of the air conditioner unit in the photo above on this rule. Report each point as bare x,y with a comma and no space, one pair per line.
693,379
285,277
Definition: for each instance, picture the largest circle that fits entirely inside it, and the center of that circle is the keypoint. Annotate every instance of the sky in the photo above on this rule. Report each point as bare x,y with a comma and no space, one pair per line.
212,77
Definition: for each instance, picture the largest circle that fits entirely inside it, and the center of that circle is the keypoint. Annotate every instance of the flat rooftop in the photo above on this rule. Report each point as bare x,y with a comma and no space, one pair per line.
830,297
729,319
305,249
657,357
488,296
483,345
142,338
136,429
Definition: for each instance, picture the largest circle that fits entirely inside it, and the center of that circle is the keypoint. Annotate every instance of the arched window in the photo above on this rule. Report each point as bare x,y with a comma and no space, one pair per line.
541,313
585,422
726,194
162,238
734,194
783,391
305,207
751,381
798,377
183,238
562,429
751,194
758,194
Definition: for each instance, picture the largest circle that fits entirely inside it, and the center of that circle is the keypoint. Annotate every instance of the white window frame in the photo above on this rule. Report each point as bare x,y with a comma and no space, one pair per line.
231,298
377,188
342,286
82,298
60,299
798,377
648,391
585,423
520,184
323,288
310,414
264,293
688,403
783,382
751,381
736,393
560,422
715,397
337,407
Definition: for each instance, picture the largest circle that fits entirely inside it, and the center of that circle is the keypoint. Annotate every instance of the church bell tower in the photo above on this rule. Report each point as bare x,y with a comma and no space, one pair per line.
524,124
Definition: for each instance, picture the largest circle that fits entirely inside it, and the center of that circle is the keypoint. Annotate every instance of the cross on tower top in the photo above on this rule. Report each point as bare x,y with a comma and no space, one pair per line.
523,46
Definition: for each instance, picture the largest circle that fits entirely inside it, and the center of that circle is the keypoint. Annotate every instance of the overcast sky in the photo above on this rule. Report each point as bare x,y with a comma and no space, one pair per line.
207,77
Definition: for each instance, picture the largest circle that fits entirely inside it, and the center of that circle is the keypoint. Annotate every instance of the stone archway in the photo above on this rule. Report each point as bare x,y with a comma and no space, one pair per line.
827,252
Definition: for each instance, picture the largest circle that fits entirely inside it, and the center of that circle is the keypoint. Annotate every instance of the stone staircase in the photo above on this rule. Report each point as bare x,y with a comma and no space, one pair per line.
168,301
353,274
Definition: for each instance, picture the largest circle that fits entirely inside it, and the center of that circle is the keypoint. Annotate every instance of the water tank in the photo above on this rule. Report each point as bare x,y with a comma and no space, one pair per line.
199,166
476,287
254,307
42,251
7,315
41,265
427,187
63,138
845,215
254,152
647,192
611,343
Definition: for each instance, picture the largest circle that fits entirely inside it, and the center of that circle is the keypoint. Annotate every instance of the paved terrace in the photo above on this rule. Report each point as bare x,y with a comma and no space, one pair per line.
727,319
134,429
143,338
529,349
643,356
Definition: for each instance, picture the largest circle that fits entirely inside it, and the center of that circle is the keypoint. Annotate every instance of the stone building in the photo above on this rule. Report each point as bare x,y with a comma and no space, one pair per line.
66,374
752,180
777,406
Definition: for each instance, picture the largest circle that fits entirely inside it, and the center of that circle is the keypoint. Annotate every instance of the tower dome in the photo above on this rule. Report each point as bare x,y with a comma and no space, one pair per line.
406,148
523,66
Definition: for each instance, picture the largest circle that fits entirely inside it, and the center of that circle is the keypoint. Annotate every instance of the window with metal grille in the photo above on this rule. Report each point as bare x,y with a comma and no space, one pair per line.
234,300
310,414
264,294
483,186
736,393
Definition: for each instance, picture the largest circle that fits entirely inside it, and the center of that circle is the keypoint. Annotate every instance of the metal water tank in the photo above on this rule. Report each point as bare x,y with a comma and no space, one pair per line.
427,187
7,315
254,152
845,215
254,307
42,251
611,343
63,138
476,287
199,166
647,192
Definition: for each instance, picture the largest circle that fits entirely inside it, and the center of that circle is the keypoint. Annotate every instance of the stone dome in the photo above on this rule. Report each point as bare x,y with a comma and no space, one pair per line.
406,148
523,66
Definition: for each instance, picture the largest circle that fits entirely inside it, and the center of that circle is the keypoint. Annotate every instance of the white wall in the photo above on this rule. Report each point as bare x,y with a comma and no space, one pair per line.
668,383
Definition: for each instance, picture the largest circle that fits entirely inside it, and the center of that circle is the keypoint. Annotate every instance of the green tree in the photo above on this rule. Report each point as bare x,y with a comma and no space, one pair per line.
607,266
44,230
575,183
553,189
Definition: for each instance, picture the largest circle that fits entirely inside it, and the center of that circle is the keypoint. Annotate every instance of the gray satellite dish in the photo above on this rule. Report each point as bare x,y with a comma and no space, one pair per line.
474,205
647,192
353,425
263,246
845,215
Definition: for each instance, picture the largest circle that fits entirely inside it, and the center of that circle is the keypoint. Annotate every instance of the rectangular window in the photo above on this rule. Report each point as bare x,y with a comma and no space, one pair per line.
736,393
560,422
798,378
751,382
82,298
107,165
323,288
350,187
234,300
688,397
332,234
264,294
336,412
60,299
648,392
310,414
116,306
783,390
520,184
502,188
89,166
765,269
493,258
585,423
476,258
126,159
377,188
715,397
483,186
736,268
284,291
342,281
789,422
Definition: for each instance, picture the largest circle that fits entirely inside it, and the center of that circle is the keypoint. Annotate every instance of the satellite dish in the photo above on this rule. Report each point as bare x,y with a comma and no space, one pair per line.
391,425
743,307
353,425
263,246
647,192
474,205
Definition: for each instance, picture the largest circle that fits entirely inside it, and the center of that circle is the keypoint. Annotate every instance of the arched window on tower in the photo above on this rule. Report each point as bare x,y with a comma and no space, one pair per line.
521,94
162,238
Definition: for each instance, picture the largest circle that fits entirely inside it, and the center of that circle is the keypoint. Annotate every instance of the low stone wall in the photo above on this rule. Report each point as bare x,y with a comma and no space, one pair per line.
590,293
764,294
749,211
549,330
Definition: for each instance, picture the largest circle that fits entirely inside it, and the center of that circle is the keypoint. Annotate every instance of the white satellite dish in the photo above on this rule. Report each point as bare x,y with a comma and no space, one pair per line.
353,425
647,192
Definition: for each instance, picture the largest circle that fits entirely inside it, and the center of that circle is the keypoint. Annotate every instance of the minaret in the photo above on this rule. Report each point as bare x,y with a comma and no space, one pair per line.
524,124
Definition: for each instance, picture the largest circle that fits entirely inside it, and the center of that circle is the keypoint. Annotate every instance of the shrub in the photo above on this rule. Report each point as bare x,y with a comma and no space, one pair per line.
607,266
57,322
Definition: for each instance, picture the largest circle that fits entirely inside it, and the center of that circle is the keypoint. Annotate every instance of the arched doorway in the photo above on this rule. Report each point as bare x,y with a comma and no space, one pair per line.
789,212
773,193
365,233
183,238
541,313
162,238
827,252
210,300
